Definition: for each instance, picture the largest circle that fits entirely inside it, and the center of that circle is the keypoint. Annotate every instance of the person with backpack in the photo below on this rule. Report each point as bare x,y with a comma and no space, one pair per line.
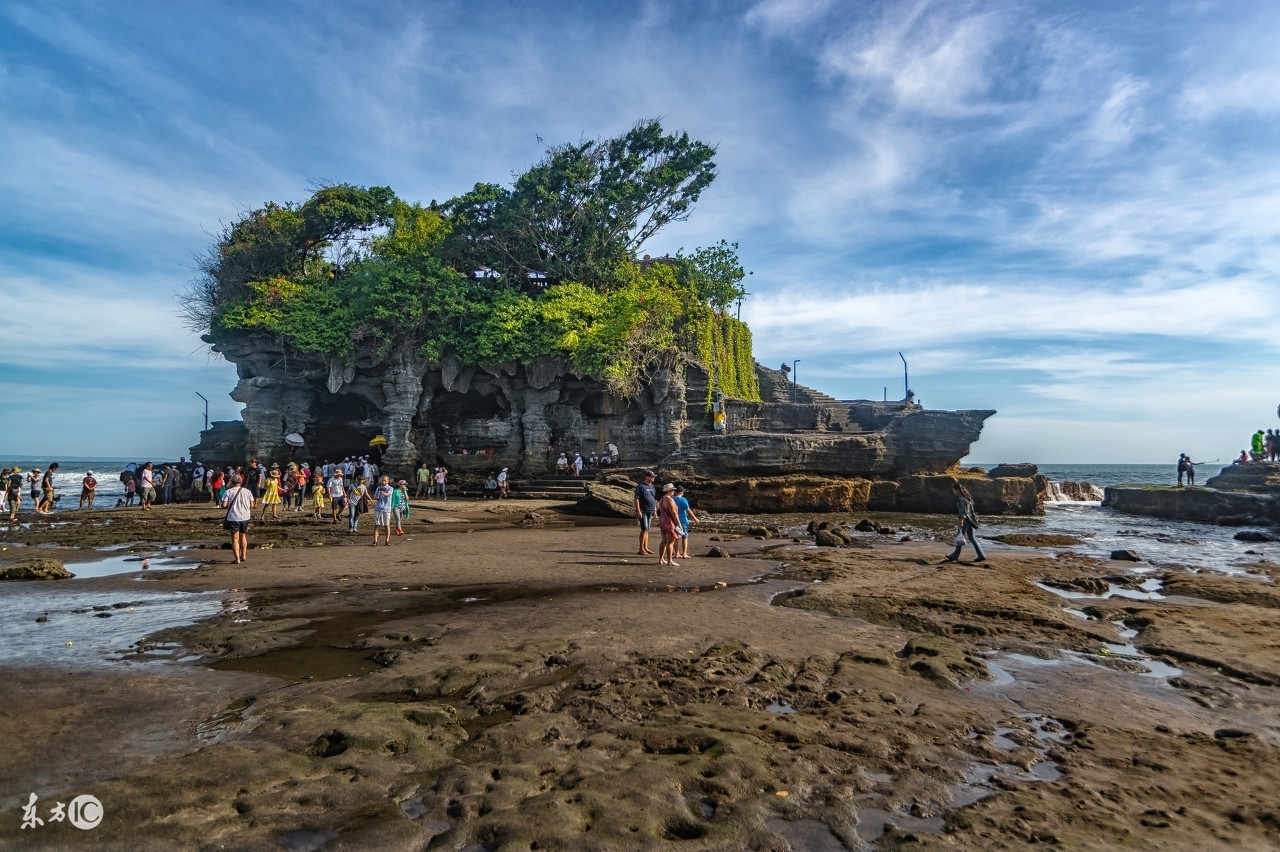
357,504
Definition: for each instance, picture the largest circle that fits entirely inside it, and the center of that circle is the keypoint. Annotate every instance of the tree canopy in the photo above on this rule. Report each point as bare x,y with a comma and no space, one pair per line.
547,266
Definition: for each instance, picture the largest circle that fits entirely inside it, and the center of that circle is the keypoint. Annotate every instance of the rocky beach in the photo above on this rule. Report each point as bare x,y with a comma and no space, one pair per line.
509,676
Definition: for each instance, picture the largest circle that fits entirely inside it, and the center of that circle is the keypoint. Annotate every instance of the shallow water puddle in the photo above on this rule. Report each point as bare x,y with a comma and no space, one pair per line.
84,627
811,835
1149,591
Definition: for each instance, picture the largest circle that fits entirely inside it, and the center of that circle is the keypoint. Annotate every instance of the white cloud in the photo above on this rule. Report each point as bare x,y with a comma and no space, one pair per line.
786,16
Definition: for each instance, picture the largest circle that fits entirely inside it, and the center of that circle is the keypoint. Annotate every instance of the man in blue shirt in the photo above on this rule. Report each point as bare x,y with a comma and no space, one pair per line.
682,503
646,509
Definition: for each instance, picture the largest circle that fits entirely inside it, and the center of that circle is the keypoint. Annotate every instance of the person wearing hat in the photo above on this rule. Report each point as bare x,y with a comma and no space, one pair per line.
13,488
271,496
646,499
87,486
33,485
400,505
669,524
504,484
337,494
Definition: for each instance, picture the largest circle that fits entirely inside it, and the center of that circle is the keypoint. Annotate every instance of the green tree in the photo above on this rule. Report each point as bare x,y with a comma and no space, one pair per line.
582,210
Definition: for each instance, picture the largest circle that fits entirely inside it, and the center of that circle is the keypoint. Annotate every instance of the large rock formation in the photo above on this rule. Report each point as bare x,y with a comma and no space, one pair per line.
848,455
1240,495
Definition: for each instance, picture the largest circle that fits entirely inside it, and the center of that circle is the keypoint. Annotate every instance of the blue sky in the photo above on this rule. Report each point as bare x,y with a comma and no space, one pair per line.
1063,211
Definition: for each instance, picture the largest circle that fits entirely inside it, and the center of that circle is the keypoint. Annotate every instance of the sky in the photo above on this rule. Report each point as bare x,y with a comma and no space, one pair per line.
1064,211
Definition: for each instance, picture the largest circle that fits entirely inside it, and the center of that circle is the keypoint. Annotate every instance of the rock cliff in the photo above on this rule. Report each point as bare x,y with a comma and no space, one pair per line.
858,454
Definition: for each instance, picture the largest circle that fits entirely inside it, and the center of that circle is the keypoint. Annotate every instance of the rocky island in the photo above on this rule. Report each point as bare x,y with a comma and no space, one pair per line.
497,326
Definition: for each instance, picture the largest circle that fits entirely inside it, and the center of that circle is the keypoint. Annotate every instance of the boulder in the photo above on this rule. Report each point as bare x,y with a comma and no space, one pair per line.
35,568
606,501
827,538
1024,470
1254,535
1125,556
1204,505
866,525
718,552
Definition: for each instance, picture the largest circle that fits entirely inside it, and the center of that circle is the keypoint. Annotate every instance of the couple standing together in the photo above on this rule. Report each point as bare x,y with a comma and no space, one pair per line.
673,514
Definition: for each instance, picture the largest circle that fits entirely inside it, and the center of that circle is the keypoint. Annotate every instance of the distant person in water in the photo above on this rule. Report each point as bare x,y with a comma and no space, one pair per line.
88,486
967,523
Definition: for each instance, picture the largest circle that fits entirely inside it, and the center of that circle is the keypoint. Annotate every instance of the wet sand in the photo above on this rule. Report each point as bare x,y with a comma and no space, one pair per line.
486,685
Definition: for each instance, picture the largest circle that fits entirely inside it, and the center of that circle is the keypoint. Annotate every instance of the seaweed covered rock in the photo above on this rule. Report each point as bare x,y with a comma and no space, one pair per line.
35,568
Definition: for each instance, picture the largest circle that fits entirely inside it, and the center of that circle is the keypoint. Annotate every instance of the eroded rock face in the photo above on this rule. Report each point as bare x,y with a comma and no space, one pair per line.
1205,505
482,418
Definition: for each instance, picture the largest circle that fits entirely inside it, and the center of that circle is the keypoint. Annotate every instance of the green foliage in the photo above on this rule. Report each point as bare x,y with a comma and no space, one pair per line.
722,345
715,273
354,267
581,211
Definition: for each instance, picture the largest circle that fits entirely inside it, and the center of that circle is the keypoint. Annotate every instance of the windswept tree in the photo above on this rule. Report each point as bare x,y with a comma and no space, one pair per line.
582,210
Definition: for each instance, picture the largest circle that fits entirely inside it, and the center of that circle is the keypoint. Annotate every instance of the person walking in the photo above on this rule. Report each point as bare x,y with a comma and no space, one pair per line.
669,525
337,494
357,504
646,499
686,512
317,494
14,488
271,496
238,501
966,524
400,506
46,489
382,497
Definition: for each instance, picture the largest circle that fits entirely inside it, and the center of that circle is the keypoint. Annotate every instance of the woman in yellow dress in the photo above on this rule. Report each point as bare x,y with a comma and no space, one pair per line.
271,497
317,491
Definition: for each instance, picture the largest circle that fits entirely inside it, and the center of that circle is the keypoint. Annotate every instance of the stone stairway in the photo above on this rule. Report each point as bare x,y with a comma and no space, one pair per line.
551,486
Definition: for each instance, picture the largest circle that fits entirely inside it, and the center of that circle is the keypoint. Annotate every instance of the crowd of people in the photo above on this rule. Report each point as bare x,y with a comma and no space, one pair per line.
1263,447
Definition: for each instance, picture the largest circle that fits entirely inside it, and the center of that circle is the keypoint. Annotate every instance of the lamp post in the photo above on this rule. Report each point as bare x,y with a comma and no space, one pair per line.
906,382
793,380
206,410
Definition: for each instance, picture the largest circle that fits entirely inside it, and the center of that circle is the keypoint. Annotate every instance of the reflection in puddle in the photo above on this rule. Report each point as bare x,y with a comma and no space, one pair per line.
775,707
1150,591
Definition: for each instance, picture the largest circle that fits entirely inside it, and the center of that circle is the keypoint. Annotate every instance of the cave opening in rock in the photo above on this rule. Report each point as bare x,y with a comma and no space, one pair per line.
341,425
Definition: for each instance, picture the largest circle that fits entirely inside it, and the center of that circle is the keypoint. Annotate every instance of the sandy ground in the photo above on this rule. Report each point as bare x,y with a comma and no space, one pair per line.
486,685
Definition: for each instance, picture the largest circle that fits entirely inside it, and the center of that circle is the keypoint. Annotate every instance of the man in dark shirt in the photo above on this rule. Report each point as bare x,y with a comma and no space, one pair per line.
46,489
646,509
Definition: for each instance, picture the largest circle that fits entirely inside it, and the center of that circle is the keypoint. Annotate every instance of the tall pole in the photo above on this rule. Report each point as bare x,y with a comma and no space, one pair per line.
206,410
793,380
906,383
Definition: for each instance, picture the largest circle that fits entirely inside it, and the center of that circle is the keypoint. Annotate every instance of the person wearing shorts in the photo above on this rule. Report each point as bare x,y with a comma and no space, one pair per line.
337,494
238,502
14,487
646,499
682,503
382,497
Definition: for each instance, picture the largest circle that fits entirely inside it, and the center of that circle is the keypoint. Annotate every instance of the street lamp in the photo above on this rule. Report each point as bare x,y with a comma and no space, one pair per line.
793,380
206,410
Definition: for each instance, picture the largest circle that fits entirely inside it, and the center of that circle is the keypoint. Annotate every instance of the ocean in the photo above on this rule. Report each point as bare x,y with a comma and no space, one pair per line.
71,471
